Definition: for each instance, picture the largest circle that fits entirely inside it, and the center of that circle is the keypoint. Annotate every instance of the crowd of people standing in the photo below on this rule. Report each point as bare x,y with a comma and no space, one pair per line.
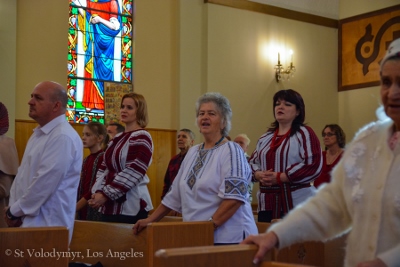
212,181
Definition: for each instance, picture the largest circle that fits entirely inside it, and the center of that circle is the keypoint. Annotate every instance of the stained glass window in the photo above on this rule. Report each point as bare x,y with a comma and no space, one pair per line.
100,42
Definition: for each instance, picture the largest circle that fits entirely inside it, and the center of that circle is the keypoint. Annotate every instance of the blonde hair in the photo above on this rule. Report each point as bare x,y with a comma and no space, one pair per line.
142,116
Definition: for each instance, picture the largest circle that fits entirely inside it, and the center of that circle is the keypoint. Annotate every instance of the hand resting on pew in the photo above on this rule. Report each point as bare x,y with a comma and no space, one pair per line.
265,242
156,216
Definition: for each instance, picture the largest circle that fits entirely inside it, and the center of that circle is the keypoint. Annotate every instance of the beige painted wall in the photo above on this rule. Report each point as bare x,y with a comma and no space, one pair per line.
192,60
357,107
156,65
8,22
41,48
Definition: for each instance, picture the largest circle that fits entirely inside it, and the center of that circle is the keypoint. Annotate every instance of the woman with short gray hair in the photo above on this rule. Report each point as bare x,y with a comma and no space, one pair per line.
212,183
222,104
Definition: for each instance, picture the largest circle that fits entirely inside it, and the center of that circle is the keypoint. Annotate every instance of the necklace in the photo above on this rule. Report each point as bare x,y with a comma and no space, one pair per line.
275,144
217,143
332,158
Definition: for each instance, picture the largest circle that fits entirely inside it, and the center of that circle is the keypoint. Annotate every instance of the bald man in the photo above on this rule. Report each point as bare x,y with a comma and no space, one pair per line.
243,140
45,189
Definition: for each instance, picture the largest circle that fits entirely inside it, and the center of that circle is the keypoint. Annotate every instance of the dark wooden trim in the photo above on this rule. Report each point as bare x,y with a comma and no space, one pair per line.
28,121
277,11
370,14
358,86
339,66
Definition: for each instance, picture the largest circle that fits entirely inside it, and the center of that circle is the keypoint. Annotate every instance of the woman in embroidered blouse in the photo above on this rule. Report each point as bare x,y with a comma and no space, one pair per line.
334,141
121,190
93,137
363,197
213,179
286,160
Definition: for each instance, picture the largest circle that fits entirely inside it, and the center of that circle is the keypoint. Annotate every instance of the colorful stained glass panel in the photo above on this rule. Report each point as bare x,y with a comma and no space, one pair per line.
100,41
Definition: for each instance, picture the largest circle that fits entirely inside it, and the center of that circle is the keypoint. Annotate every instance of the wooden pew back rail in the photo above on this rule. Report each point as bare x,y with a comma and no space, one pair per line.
216,256
115,245
34,247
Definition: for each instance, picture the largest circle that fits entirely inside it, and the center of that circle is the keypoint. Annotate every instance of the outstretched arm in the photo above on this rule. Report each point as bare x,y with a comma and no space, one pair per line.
157,215
265,242
225,211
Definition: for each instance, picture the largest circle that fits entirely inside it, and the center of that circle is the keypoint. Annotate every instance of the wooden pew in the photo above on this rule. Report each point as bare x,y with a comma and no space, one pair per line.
327,254
98,241
171,219
262,227
216,256
34,247
115,245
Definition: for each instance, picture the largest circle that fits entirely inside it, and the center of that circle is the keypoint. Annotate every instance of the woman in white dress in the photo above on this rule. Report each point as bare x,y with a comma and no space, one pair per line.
213,179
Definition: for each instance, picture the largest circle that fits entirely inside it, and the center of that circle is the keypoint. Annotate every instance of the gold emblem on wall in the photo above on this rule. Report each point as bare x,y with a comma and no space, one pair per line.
363,41
113,93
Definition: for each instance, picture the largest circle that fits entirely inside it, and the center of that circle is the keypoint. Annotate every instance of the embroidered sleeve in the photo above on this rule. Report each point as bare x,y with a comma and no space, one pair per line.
138,158
311,154
258,157
236,173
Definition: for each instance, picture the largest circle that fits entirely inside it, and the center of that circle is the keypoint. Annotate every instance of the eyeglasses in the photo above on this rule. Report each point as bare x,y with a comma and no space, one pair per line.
328,134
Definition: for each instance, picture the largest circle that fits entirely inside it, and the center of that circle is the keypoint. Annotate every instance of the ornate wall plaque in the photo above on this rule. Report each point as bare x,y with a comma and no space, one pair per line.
363,41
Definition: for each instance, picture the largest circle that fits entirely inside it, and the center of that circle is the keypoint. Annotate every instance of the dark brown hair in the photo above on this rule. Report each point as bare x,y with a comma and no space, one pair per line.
340,135
295,98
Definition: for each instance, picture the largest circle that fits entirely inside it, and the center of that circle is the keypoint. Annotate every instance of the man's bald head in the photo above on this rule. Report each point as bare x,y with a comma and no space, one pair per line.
48,101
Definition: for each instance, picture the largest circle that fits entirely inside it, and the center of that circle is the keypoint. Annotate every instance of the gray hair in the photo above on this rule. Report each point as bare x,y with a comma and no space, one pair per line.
243,135
189,132
223,107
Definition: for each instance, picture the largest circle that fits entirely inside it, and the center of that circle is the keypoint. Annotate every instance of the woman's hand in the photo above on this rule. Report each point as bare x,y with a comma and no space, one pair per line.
140,225
265,242
97,200
270,178
261,176
266,178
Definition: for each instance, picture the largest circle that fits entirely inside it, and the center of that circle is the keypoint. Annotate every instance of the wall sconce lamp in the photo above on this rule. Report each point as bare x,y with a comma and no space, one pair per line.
281,73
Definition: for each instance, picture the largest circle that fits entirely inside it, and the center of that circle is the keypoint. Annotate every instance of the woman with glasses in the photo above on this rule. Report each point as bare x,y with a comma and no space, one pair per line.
287,159
334,141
